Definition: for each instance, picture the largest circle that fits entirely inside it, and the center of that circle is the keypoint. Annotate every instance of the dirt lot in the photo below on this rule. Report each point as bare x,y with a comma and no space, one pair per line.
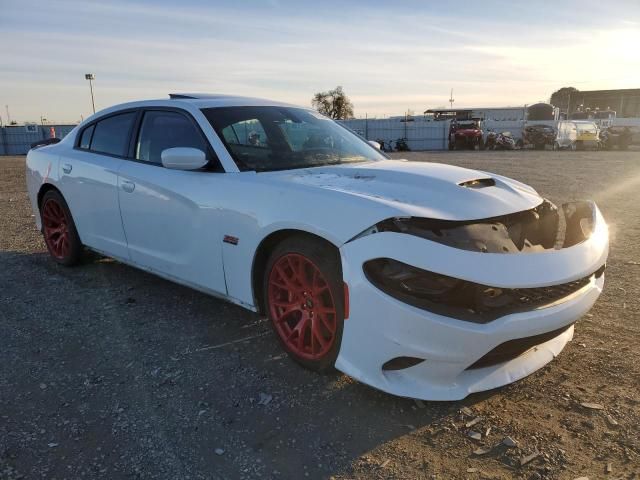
109,372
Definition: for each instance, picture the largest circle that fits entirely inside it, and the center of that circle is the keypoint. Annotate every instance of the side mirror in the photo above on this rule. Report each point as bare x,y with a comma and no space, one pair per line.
183,158
375,145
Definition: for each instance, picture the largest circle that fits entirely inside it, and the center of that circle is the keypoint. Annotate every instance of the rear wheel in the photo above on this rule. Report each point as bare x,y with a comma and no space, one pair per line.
304,299
59,230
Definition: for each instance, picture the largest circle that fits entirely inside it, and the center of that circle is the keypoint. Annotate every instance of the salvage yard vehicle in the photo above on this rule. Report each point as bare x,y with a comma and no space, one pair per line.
613,137
539,136
465,134
423,280
499,141
577,135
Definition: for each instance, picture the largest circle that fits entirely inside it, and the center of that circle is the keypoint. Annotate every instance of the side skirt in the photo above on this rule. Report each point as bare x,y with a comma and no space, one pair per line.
179,281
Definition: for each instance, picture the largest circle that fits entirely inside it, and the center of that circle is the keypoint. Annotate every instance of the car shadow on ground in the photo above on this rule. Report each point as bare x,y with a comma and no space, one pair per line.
106,358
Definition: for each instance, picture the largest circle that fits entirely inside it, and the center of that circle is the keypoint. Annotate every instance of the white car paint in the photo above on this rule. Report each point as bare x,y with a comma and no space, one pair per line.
173,222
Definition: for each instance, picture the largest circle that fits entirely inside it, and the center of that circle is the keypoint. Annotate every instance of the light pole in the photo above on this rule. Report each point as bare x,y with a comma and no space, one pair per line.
451,100
91,77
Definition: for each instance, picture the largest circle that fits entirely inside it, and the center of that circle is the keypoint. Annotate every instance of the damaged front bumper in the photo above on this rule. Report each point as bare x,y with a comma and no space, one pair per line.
417,350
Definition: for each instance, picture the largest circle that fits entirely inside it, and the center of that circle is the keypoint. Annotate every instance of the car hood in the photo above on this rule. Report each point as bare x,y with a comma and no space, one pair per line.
420,189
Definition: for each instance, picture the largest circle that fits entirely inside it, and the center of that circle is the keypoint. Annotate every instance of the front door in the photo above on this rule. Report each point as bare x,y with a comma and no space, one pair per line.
168,226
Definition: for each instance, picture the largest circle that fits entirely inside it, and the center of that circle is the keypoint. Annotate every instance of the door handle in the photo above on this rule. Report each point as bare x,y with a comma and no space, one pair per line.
128,186
66,168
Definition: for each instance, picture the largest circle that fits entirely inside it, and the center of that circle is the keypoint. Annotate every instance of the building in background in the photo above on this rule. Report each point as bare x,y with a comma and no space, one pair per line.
625,102
497,114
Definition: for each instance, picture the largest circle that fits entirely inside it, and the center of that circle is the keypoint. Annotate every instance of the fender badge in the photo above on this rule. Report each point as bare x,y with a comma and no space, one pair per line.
230,239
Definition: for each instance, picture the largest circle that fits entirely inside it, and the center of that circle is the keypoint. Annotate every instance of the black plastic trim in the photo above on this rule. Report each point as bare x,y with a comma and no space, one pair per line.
512,349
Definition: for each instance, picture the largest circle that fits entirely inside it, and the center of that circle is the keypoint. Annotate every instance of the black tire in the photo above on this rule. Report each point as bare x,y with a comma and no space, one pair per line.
73,254
327,260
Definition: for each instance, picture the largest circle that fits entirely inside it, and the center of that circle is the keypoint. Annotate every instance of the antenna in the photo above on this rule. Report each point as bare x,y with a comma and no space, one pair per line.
451,99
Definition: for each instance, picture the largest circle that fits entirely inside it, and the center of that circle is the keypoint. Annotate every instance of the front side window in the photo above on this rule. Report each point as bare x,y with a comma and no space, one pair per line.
163,129
111,135
282,138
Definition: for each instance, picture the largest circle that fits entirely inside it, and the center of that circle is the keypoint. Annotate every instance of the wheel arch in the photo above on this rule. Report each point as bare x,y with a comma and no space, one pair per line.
265,248
44,188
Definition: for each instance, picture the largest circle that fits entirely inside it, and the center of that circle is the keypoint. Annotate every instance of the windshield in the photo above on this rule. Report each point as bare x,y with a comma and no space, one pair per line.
467,125
283,138
586,127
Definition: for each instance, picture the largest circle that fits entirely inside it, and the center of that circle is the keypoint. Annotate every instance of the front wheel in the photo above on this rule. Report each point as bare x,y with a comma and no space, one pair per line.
59,229
304,299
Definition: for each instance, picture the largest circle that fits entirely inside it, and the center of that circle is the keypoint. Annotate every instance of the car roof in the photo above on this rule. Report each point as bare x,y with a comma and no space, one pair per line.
197,100
211,100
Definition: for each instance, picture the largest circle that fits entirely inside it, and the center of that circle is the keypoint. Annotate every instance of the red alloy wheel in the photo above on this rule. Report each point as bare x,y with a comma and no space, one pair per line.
302,306
56,228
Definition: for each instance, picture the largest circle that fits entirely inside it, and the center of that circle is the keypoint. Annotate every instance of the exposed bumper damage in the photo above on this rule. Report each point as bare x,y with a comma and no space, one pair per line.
447,308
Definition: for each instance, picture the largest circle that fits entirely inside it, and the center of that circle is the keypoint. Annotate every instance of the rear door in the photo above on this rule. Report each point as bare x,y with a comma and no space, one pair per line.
171,225
89,181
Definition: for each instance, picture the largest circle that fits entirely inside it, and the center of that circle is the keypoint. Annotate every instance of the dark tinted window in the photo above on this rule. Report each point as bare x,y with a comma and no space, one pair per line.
111,135
85,140
161,130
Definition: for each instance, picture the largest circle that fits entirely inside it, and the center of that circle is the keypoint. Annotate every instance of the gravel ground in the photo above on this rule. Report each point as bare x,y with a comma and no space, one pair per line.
109,372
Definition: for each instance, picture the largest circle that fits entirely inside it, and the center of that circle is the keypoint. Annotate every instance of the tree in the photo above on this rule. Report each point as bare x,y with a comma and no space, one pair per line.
561,98
334,104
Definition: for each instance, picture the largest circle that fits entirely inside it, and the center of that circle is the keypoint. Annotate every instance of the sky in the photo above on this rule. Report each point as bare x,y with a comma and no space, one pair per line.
389,57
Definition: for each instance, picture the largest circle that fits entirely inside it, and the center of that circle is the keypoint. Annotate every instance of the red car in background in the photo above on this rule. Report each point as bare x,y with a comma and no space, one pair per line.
465,134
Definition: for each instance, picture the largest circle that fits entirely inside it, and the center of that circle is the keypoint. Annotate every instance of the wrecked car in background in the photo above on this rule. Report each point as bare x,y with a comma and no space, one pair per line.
420,279
539,136
577,135
615,137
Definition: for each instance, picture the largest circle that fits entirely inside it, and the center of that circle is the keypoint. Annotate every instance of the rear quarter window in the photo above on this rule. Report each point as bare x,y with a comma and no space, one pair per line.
111,135
85,138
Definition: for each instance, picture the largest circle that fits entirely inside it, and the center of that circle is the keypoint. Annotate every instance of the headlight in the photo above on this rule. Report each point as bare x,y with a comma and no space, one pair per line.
461,299
412,280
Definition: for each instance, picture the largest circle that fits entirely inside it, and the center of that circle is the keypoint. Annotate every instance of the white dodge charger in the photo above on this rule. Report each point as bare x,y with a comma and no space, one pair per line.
420,279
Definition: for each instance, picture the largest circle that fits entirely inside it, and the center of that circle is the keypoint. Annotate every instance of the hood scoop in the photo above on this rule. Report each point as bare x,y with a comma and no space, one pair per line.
478,183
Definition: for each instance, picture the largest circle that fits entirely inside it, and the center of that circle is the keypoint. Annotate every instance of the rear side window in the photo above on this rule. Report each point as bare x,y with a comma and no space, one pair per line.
161,130
85,140
111,135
